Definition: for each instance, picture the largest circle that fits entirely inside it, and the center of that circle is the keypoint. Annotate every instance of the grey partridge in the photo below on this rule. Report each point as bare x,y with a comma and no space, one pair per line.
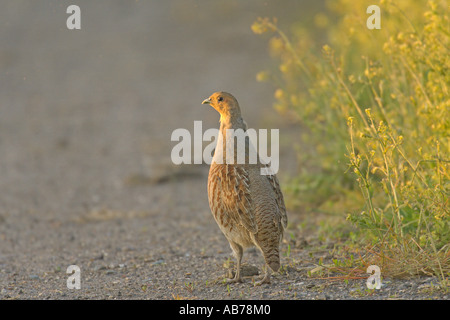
248,206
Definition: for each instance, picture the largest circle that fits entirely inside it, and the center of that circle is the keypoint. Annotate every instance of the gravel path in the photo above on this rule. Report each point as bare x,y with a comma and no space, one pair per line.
85,124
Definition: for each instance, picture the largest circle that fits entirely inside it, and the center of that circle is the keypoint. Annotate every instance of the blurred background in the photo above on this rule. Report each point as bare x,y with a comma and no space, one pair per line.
82,109
86,118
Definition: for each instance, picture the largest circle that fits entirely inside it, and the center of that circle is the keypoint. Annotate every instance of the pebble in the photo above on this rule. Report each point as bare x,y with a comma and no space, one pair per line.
161,261
98,268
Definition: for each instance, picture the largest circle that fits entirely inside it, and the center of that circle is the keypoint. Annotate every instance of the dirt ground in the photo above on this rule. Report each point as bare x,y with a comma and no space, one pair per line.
86,178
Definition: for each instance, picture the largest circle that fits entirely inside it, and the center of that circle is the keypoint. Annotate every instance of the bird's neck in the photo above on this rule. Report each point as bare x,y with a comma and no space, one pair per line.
231,122
226,140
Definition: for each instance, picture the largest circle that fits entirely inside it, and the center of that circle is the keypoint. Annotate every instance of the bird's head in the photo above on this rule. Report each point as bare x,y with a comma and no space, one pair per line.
225,104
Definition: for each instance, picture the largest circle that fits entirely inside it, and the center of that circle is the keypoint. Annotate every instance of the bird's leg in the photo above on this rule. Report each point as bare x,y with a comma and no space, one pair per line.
238,252
266,278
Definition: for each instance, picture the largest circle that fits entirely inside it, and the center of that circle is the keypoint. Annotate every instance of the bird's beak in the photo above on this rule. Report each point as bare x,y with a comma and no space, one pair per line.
207,101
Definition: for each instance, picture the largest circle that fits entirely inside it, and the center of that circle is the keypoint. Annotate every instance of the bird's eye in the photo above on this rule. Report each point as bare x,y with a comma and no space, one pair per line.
220,99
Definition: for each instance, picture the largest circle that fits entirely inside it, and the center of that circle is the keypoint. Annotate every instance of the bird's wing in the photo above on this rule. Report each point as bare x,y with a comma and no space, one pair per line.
278,197
237,200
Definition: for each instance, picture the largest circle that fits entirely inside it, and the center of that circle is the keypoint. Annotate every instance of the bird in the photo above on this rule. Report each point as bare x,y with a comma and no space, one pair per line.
248,207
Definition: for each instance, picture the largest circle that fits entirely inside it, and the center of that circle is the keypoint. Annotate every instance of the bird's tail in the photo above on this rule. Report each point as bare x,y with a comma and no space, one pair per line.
273,260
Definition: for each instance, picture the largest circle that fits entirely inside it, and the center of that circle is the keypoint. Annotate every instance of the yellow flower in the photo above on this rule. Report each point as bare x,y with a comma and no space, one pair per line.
326,49
258,28
284,68
294,99
276,45
262,76
350,121
279,94
321,20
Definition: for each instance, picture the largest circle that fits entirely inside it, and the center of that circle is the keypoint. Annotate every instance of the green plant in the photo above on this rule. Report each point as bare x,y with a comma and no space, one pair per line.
374,112
189,286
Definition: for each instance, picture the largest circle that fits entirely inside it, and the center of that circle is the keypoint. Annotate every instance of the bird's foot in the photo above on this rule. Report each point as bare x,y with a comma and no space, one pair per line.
234,280
265,280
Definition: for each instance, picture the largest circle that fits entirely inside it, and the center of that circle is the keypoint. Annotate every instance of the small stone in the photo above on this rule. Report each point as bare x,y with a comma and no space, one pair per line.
161,261
246,271
98,268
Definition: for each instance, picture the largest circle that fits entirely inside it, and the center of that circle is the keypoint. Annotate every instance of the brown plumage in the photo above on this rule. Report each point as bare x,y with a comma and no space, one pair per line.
248,206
